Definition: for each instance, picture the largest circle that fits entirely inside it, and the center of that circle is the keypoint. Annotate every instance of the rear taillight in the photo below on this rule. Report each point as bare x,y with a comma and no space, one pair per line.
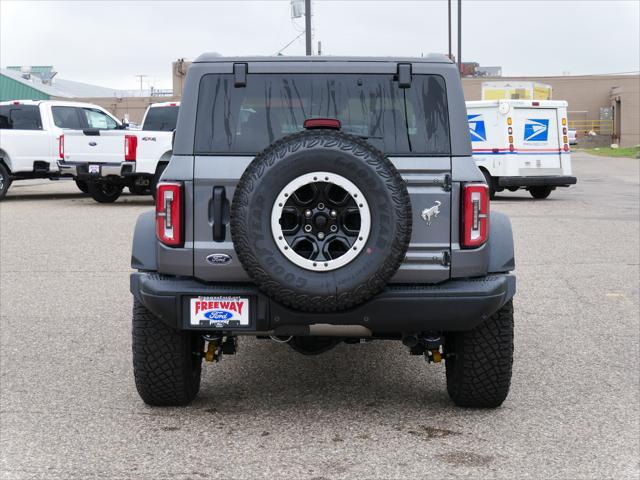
169,214
130,148
475,215
61,147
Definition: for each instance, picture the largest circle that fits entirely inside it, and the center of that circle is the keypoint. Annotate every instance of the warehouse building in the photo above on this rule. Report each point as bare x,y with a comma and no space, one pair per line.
41,83
604,104
25,85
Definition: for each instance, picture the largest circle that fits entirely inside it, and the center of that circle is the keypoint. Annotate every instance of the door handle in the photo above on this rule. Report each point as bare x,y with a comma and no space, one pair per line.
219,201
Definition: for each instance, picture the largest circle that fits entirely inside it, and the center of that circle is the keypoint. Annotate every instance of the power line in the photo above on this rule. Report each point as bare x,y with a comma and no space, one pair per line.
288,44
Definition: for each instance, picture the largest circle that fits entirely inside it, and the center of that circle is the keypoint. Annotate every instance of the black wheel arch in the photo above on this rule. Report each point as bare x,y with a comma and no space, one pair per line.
143,252
501,251
5,160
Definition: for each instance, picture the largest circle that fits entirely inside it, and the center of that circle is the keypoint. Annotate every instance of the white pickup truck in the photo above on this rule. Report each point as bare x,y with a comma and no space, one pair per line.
108,161
30,131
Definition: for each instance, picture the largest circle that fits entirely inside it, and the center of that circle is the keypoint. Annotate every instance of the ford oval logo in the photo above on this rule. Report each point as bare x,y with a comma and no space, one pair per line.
218,315
218,259
93,144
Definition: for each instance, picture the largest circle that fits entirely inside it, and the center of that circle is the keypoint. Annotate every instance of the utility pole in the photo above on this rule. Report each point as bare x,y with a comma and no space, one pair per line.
307,25
449,23
460,36
140,77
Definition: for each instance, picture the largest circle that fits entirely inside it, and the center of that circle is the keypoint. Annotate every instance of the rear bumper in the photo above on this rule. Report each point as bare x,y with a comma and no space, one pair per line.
81,170
455,305
547,181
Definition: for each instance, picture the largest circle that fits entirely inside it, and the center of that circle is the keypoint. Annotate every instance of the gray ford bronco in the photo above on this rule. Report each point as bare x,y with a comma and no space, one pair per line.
319,200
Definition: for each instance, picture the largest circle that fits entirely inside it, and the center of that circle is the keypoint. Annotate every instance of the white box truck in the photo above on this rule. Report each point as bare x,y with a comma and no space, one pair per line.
521,144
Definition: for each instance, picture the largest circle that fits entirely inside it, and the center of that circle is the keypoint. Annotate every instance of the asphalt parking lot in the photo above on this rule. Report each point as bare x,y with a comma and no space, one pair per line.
69,408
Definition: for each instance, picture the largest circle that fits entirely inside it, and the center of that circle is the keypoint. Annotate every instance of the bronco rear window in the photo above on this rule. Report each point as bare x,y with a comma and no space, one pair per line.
245,120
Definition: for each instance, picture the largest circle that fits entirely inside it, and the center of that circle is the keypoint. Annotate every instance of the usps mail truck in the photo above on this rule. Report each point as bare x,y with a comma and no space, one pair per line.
521,144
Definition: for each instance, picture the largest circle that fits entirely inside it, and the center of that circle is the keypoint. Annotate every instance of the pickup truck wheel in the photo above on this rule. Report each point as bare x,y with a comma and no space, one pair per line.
82,186
166,362
138,189
540,192
321,220
479,362
5,180
104,192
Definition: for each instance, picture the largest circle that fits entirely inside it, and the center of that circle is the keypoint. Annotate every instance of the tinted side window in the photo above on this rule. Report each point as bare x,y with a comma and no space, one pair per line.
397,121
428,115
161,119
68,117
20,117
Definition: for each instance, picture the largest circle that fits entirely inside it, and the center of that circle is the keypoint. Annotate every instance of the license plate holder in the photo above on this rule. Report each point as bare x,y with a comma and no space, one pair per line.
219,312
94,169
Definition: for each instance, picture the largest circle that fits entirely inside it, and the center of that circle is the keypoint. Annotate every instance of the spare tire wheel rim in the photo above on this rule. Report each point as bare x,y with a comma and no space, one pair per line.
320,221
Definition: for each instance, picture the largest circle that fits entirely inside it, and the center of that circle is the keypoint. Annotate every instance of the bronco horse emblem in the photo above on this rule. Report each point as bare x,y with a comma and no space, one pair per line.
431,212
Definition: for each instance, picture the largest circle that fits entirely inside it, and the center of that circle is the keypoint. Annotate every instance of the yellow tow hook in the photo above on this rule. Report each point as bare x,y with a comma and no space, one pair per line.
436,356
212,351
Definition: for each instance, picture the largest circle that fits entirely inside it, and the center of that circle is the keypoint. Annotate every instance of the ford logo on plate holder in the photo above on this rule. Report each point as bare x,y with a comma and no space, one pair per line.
93,144
218,315
218,259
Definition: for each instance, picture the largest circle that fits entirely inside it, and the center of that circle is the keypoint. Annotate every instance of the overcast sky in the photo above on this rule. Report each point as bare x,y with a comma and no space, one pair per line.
108,43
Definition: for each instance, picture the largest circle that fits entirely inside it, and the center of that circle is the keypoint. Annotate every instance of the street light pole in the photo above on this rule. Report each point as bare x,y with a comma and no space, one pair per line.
307,25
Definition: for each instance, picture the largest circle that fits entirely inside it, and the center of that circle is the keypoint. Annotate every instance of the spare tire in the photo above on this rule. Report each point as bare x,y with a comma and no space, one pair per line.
321,220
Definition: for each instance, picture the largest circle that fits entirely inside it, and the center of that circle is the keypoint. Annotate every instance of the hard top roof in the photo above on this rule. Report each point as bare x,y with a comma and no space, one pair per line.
215,57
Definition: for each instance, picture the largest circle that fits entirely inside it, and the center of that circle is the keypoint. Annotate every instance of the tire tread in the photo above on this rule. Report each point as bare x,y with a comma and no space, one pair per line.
479,373
162,363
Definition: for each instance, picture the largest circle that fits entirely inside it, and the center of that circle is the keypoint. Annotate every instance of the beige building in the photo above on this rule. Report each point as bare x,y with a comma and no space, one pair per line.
606,104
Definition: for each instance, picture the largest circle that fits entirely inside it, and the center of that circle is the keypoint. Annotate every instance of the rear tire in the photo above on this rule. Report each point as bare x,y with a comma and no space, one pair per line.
5,180
103,192
540,192
479,362
166,362
491,184
82,186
